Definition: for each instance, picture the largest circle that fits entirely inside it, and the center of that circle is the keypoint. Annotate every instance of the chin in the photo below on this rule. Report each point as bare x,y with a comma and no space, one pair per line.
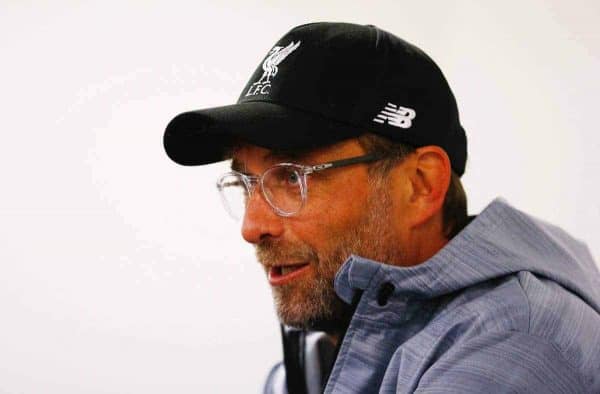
336,322
311,307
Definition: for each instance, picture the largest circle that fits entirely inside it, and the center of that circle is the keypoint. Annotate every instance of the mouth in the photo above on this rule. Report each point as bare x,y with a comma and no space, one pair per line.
280,275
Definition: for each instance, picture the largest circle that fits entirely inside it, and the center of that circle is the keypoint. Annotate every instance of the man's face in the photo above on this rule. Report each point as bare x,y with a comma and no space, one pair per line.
346,213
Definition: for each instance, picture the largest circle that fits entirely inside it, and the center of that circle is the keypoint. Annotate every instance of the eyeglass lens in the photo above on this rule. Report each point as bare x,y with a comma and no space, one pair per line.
234,194
282,187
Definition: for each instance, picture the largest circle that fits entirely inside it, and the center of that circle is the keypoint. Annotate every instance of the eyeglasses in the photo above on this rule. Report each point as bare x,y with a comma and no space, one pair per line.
283,186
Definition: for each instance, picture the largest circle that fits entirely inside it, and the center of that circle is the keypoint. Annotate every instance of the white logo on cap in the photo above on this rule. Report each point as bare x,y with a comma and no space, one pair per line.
274,57
395,115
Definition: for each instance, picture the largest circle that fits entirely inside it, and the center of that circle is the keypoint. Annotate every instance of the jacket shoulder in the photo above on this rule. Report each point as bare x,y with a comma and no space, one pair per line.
503,319
503,362
564,319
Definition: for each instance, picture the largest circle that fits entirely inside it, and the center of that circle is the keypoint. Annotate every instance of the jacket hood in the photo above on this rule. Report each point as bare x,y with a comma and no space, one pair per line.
500,241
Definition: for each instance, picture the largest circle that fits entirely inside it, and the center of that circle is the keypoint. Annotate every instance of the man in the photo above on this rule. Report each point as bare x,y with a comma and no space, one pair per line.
347,153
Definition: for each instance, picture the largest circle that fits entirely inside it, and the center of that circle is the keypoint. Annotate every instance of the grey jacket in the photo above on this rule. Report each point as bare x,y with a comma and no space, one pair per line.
509,305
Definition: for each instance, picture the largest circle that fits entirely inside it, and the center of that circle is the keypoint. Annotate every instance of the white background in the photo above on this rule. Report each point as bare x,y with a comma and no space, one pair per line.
119,272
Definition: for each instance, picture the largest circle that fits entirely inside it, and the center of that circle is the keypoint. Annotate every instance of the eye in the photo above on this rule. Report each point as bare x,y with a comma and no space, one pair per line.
282,177
292,178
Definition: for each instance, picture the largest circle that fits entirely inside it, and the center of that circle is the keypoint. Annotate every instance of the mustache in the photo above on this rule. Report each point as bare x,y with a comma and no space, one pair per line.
271,252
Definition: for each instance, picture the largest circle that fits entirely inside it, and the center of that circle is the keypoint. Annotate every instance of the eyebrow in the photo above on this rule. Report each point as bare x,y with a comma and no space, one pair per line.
286,156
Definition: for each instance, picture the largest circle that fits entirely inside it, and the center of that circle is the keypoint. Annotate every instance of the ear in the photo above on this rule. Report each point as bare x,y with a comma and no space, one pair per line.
430,178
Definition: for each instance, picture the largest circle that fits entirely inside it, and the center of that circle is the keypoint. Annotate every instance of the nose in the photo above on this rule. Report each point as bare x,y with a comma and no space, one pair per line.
260,220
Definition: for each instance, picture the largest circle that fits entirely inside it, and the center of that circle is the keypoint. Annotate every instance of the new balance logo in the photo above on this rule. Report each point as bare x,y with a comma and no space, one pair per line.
396,116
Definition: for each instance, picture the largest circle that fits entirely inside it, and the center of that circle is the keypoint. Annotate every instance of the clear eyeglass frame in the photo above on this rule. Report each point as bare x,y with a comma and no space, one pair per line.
235,188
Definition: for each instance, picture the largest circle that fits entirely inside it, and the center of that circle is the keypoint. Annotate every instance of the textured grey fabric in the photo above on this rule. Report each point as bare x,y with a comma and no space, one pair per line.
510,305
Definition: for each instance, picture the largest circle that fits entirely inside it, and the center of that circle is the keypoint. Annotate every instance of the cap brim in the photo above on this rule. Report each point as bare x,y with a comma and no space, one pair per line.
205,136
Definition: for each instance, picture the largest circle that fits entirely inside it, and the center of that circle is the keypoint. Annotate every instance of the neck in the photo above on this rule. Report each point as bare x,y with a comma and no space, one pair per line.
424,241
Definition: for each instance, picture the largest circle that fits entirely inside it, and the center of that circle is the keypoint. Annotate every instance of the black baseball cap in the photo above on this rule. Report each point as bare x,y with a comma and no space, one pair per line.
323,83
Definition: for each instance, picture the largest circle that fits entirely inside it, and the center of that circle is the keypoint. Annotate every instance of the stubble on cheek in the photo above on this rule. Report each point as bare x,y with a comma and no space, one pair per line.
310,301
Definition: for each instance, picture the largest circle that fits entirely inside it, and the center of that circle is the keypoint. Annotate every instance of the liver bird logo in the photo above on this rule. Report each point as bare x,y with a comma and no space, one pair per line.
275,56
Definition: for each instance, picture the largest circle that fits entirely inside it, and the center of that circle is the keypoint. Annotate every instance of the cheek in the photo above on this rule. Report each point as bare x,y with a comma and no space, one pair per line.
327,216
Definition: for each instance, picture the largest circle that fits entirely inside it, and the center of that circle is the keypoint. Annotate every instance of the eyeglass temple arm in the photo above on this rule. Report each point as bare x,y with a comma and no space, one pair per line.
344,162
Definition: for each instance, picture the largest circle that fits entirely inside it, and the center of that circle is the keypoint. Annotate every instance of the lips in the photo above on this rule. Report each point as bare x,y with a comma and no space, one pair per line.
280,275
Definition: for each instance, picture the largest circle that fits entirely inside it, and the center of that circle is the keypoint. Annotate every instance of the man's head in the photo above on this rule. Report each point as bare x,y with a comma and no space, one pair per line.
389,211
329,92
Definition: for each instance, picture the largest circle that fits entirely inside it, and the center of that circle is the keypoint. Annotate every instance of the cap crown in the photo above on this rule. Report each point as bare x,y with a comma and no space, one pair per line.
363,77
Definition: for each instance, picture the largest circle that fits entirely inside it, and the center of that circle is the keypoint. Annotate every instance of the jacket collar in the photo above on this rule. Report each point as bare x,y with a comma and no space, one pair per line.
499,241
